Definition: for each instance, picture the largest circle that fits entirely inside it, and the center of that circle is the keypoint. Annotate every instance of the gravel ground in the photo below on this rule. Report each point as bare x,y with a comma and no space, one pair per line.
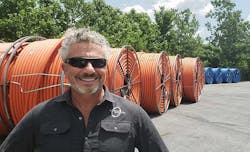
219,122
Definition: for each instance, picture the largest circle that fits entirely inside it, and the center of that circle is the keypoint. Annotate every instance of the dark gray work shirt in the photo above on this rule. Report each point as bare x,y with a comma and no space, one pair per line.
116,125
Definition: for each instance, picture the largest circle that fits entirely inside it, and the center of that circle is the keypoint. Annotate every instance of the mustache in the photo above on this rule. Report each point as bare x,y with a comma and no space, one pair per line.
86,75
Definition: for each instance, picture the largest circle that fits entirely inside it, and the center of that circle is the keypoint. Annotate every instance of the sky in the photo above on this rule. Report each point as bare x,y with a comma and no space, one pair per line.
198,7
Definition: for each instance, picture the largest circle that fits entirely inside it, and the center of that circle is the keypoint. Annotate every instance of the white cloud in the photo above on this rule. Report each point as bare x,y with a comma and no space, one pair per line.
138,8
198,7
202,32
168,4
248,18
150,13
206,9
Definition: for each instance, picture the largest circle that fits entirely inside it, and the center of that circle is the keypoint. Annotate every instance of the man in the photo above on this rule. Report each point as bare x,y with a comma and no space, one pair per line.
87,117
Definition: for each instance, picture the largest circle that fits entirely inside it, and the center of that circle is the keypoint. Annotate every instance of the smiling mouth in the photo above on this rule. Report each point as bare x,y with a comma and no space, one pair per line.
88,79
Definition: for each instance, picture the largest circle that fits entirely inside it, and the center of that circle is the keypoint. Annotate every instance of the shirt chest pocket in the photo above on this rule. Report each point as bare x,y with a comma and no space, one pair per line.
116,136
54,136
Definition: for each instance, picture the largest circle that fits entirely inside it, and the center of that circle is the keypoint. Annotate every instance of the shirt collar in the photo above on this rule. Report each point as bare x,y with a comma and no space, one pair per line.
66,97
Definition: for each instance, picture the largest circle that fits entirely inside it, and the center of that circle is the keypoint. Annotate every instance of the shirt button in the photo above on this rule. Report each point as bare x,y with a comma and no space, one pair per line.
80,118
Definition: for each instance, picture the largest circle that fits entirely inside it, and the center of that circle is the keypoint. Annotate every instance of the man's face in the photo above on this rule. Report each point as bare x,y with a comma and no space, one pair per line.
88,79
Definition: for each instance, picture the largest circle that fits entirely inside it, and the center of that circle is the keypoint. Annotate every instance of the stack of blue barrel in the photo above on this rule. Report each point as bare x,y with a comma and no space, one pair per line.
221,75
236,75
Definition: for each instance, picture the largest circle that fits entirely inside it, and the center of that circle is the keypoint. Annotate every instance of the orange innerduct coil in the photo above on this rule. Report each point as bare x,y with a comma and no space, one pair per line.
155,72
176,80
55,82
3,59
27,83
193,78
31,73
9,53
124,74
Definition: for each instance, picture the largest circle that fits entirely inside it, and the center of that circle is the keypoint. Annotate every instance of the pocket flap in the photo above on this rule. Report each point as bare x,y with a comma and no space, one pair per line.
54,128
113,126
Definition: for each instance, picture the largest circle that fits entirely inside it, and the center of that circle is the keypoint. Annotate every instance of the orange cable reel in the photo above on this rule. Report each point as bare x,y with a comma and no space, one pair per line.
6,68
4,129
176,80
193,79
54,82
155,72
124,74
28,76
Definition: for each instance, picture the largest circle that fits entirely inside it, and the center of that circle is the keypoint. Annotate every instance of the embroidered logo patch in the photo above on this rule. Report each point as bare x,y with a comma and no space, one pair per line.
116,112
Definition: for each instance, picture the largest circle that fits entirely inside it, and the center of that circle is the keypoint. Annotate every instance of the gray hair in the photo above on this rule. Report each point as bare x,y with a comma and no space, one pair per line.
73,35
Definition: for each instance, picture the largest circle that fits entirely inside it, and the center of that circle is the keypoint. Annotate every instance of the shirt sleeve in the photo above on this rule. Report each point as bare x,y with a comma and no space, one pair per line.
148,138
20,139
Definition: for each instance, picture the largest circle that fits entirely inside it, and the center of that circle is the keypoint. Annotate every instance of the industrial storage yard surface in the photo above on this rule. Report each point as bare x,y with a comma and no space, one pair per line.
219,122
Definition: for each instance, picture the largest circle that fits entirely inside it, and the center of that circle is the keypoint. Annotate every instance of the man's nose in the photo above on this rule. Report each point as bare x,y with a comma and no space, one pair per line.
89,68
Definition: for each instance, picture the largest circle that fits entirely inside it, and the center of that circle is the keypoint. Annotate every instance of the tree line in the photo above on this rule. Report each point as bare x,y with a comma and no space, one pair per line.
171,30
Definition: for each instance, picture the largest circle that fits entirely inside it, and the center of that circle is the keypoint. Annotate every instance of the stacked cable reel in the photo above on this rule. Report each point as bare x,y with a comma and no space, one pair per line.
35,77
4,125
31,73
221,75
208,75
9,54
227,75
27,87
124,74
155,71
217,75
193,78
176,80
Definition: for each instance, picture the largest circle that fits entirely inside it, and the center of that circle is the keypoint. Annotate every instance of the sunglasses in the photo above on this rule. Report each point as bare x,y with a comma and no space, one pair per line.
80,62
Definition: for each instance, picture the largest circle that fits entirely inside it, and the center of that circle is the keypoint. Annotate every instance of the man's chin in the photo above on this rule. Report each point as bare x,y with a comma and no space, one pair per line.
86,91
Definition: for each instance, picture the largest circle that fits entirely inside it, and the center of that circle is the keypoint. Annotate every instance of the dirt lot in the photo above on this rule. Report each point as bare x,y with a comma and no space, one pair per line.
219,122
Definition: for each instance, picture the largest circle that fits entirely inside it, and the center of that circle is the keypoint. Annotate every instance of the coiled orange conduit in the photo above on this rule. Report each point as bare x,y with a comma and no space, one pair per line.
155,72
202,75
36,76
4,127
28,76
193,78
55,81
6,62
125,74
176,80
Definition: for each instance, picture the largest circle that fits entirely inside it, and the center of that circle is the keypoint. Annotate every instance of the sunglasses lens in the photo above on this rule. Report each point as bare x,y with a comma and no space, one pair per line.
98,63
76,62
82,62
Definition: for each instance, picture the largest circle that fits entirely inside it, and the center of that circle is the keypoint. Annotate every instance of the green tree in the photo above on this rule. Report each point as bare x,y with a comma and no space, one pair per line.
230,34
74,10
178,31
165,21
210,55
31,17
11,15
111,22
148,31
